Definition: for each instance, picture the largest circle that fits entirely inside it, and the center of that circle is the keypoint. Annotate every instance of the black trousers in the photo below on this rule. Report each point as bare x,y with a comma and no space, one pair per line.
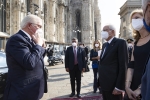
75,74
107,95
95,84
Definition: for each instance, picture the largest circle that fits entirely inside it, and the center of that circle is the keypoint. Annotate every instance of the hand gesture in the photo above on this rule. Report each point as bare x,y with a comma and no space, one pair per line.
38,40
116,92
131,94
137,92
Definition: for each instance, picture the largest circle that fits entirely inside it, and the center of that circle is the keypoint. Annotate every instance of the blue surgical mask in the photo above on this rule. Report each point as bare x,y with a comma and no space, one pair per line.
144,22
146,26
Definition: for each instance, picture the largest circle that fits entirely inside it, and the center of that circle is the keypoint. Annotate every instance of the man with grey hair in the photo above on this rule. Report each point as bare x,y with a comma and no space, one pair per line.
75,64
24,54
145,82
113,64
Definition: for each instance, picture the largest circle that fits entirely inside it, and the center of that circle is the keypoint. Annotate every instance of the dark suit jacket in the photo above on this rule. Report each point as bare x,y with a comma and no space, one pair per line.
69,58
26,77
113,64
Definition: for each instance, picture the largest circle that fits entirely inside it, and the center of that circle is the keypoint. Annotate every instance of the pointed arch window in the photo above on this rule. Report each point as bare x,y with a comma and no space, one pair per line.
78,24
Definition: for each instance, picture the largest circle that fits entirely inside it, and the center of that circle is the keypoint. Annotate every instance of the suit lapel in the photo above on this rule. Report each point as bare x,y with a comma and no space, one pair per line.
102,51
110,46
72,50
25,36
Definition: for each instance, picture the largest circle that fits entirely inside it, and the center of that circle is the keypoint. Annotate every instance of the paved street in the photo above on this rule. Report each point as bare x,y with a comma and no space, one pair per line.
59,83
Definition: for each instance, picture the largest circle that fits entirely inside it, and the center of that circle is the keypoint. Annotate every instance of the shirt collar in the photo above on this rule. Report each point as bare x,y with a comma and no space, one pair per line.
27,34
110,40
75,47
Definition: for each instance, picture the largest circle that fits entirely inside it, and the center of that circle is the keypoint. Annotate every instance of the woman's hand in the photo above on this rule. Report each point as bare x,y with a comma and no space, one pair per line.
137,92
131,94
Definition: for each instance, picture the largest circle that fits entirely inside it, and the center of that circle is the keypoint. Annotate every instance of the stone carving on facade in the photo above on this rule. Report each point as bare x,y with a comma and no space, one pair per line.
59,18
17,5
23,7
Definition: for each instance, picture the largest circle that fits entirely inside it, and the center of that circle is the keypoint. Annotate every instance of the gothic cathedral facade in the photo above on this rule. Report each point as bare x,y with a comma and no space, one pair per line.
62,19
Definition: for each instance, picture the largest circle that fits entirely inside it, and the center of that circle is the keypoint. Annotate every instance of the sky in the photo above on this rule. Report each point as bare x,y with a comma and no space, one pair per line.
109,10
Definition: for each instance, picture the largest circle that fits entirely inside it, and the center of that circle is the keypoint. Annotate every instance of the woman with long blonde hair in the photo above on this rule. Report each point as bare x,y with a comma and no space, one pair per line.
141,50
94,57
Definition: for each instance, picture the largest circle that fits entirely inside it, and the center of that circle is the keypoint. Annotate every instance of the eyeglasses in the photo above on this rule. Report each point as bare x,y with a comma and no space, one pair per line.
37,25
107,30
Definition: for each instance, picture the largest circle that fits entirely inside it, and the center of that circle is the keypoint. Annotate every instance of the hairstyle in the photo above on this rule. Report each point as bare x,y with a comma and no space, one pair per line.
81,43
144,4
135,33
94,45
30,19
112,27
74,38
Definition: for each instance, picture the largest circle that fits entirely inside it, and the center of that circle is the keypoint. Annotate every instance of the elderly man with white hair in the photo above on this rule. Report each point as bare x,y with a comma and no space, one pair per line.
145,87
113,64
24,53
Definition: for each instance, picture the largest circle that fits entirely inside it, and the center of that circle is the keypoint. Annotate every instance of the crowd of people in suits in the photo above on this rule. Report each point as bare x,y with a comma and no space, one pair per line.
121,71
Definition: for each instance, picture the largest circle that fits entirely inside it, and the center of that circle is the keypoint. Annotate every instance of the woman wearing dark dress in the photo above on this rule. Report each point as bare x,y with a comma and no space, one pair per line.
94,57
139,56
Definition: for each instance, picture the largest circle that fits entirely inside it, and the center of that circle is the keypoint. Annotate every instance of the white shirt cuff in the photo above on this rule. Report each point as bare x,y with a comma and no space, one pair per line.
119,90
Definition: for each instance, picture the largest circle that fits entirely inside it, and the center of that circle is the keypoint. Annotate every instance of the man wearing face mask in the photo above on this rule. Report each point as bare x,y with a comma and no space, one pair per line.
24,53
113,64
130,47
75,64
145,87
86,57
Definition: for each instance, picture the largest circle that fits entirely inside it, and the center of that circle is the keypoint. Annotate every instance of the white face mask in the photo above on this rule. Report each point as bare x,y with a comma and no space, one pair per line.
74,44
130,45
96,45
137,24
104,34
40,32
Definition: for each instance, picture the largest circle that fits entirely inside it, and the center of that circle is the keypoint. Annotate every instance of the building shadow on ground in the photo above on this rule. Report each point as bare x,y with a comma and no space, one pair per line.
89,85
59,79
85,96
58,75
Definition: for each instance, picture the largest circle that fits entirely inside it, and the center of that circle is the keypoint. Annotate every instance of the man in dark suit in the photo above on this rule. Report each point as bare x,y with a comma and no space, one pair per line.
113,63
24,54
75,64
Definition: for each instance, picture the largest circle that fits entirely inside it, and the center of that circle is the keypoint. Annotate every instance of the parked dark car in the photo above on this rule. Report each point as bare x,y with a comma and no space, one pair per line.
56,58
3,73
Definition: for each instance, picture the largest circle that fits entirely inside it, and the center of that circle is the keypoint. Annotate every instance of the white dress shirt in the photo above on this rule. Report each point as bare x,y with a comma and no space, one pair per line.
26,34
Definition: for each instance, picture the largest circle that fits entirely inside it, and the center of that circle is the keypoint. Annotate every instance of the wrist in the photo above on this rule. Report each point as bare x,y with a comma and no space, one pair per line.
128,83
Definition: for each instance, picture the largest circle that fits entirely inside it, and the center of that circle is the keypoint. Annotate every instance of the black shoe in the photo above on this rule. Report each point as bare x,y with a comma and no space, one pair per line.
72,94
78,96
100,90
94,92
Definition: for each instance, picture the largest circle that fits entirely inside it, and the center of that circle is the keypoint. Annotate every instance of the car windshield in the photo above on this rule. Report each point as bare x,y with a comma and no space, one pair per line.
2,60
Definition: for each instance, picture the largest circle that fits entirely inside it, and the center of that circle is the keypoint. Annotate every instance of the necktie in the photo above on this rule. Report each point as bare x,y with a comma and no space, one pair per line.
106,46
32,41
75,56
